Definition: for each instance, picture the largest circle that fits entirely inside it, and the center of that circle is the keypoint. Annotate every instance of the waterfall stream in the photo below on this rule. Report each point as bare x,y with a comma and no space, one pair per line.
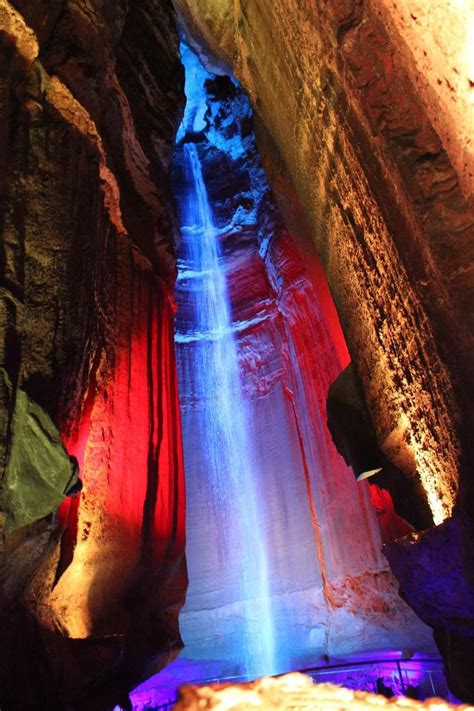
209,360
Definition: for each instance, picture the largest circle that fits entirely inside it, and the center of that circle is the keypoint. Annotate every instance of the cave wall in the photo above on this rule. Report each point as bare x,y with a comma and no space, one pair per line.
363,123
91,97
330,586
343,124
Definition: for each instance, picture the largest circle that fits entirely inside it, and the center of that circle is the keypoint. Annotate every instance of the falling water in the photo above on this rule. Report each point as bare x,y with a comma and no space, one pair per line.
214,372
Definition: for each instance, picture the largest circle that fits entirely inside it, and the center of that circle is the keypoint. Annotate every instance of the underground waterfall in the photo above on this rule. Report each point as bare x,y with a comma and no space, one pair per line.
184,430
224,426
278,530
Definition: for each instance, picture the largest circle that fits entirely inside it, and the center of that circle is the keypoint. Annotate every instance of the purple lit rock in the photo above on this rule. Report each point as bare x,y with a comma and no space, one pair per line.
436,574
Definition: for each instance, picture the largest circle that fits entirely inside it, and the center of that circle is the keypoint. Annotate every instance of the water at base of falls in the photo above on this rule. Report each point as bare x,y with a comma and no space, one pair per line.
210,364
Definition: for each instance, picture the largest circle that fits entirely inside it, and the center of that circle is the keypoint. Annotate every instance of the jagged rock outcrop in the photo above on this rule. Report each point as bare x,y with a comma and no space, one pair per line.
91,96
353,434
435,569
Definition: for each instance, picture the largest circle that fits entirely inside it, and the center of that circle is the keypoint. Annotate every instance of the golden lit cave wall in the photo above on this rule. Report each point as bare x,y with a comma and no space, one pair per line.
344,125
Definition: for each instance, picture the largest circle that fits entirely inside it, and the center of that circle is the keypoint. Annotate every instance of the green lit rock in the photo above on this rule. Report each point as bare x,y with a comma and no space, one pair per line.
39,472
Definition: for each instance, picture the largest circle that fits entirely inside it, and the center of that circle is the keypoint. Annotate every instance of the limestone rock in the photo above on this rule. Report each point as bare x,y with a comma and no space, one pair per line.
436,574
435,569
350,133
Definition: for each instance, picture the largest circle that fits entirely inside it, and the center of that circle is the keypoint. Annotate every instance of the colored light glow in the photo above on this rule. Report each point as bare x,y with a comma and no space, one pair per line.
224,425
130,514
291,342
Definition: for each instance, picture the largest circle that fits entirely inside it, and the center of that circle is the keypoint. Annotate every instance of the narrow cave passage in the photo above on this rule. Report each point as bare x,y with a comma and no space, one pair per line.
283,545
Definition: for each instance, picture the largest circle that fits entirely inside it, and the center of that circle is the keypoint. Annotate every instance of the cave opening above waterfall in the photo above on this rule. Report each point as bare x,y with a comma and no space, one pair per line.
283,544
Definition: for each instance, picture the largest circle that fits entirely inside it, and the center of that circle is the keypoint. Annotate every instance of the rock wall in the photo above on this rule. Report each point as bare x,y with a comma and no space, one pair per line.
435,43
91,96
294,689
370,167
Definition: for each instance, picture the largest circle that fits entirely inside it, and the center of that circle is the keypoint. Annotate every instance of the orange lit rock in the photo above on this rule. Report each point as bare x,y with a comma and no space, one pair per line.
295,691
435,41
61,99
15,31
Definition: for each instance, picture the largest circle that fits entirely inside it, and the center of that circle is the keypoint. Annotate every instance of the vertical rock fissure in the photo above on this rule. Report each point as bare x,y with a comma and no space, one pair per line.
316,525
155,409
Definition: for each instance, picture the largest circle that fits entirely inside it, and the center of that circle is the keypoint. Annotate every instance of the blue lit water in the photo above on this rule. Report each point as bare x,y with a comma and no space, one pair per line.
227,465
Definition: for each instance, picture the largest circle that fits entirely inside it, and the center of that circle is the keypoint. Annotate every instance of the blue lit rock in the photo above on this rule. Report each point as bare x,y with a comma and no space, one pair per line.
435,569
